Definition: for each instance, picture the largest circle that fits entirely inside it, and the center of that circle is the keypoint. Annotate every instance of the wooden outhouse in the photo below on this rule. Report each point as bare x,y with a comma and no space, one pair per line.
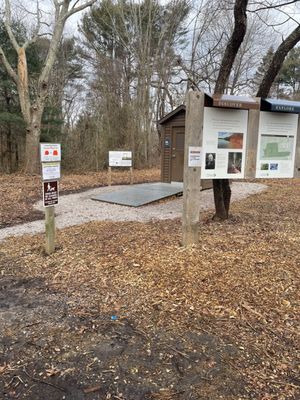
172,128
172,140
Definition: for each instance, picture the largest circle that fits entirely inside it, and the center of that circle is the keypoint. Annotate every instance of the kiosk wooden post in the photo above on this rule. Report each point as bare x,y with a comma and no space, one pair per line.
50,229
297,156
191,175
252,143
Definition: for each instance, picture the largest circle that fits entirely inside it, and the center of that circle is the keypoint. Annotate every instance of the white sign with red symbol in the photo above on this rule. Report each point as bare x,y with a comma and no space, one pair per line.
50,152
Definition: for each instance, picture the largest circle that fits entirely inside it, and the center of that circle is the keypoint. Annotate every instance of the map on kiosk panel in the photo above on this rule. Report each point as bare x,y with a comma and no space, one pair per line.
276,147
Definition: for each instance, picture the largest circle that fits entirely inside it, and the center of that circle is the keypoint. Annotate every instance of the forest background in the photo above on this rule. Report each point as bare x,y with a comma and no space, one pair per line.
128,64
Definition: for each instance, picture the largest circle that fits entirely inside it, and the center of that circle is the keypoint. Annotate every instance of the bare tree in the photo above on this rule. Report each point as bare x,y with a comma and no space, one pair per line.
32,109
221,187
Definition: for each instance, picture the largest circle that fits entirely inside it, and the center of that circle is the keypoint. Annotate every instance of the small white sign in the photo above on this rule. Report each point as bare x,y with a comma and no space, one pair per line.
120,158
195,158
50,152
50,171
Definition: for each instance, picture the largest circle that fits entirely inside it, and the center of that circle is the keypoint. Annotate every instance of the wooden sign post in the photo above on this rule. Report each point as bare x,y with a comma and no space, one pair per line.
50,158
191,173
50,230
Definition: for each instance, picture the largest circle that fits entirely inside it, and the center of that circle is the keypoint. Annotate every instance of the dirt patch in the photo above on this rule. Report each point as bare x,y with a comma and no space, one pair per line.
93,356
122,311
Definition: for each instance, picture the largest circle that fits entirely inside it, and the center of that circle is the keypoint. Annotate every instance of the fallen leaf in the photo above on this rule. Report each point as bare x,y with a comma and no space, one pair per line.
92,389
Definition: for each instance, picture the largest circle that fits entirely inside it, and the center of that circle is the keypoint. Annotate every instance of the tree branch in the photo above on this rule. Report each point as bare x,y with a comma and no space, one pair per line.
7,23
74,9
276,6
237,37
277,61
8,67
37,29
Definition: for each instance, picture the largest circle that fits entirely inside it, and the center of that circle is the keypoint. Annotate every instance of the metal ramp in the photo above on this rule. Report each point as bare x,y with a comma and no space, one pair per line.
139,195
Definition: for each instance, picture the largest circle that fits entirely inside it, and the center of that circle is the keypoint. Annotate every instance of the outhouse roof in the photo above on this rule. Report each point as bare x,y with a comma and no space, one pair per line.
171,114
280,105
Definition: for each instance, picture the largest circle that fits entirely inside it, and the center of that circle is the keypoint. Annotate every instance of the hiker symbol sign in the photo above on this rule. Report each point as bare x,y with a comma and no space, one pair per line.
50,193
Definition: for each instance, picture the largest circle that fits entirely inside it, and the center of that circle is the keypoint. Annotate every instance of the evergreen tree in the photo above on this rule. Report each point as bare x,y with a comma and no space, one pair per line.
264,65
289,75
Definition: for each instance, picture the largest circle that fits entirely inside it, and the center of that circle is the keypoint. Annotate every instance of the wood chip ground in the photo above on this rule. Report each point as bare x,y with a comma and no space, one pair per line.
122,311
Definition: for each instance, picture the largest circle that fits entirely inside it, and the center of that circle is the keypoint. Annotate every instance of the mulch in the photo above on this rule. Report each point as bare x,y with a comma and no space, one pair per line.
140,317
19,192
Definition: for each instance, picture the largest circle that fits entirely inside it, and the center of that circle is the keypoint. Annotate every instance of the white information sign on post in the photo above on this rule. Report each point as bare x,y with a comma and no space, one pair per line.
120,158
276,145
51,171
50,152
224,143
195,158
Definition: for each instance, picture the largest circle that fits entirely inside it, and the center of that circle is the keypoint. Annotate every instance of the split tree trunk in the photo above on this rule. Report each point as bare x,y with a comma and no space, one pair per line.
32,164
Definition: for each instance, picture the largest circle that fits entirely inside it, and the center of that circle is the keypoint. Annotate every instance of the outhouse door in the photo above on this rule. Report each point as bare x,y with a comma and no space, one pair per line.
177,154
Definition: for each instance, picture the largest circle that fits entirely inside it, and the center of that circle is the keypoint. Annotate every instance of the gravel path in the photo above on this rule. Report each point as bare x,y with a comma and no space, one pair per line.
76,209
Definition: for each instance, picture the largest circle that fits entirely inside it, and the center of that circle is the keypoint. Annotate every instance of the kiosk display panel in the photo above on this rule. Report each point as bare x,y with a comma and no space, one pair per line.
276,145
224,143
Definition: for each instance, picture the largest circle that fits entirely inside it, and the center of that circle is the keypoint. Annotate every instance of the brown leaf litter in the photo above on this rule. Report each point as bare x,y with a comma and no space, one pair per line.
140,317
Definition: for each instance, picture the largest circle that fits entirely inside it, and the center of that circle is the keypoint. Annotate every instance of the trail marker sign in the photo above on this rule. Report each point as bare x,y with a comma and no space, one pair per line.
50,152
50,193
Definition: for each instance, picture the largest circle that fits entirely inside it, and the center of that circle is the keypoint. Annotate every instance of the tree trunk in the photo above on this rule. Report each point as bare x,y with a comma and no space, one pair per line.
222,196
221,187
33,133
232,48
9,150
220,210
226,195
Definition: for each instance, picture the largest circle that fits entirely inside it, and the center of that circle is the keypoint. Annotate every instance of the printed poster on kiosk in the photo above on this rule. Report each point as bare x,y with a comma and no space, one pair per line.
224,143
276,145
